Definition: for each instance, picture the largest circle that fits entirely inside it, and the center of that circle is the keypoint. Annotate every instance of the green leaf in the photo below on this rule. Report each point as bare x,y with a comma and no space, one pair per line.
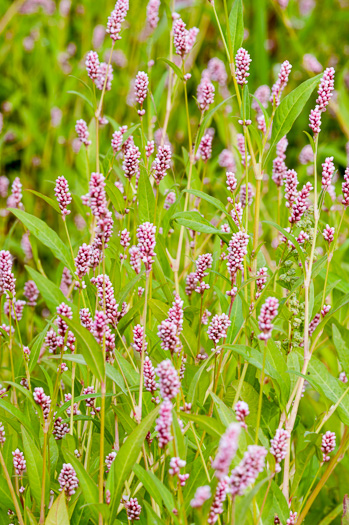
34,461
15,412
36,347
173,66
155,487
226,415
236,26
152,517
81,96
245,504
194,221
115,196
46,235
341,347
90,349
51,202
212,200
289,109
58,514
127,458
212,426
31,517
329,386
146,207
122,295
51,293
304,454
194,385
246,103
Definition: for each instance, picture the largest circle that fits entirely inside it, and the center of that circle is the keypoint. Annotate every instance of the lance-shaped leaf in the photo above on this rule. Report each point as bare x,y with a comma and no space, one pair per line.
90,349
289,109
58,514
46,235
126,459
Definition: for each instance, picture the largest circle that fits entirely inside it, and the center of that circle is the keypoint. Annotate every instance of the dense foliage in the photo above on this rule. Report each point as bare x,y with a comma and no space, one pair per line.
173,274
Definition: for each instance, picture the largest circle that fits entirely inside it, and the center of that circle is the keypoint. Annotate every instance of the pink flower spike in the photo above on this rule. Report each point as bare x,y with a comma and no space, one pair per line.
218,328
68,480
163,423
328,234
345,188
219,498
116,18
169,381
328,170
279,447
82,132
141,88
247,471
328,445
63,195
241,411
92,65
153,14
228,446
326,89
202,494
205,94
281,83
162,163
242,66
268,312
301,203
315,121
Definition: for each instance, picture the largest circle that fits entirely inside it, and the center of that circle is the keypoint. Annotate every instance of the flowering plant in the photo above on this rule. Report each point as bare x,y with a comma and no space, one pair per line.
173,320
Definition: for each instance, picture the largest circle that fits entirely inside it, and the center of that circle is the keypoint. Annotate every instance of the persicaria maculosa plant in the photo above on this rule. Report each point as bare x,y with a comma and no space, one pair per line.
174,327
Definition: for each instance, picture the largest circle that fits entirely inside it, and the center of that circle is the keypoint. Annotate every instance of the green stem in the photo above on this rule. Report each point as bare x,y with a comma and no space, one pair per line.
241,381
260,401
42,505
101,451
72,398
